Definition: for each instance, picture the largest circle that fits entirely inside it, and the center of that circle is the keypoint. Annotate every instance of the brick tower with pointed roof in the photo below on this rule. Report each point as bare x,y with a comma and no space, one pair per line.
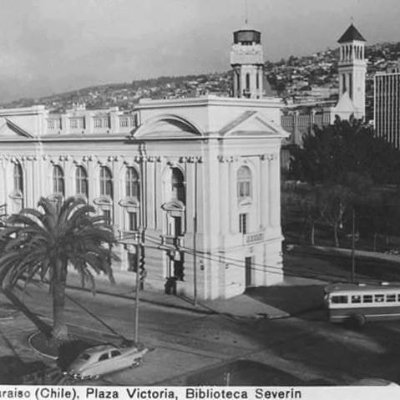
352,69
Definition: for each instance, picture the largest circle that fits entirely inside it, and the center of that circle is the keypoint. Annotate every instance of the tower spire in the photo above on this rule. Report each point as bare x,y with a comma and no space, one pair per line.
246,12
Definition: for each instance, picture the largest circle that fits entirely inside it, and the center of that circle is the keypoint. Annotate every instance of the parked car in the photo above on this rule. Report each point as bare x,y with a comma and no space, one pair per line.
104,359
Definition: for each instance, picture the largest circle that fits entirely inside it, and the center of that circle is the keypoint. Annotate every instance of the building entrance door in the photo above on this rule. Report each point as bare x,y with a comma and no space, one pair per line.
248,261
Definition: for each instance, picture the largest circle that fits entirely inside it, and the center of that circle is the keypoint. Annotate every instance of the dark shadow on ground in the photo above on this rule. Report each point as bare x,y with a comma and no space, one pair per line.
40,324
294,300
68,351
13,370
244,373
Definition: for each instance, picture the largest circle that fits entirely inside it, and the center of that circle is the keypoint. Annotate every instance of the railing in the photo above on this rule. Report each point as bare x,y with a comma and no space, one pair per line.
176,241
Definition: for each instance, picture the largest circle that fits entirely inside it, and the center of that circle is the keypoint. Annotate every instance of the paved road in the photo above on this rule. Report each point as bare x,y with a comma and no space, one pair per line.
187,345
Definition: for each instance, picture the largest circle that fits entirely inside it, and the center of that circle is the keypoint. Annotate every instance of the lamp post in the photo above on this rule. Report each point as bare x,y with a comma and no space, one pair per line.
137,297
141,236
194,235
353,247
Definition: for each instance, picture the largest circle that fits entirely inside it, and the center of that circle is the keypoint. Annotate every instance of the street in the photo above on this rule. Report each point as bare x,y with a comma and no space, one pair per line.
187,347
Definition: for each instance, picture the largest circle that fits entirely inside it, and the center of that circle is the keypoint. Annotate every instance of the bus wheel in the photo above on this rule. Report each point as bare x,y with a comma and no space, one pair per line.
357,320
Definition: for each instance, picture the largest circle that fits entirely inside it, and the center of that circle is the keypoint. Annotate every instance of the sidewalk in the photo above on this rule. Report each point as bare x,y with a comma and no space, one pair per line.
253,305
294,296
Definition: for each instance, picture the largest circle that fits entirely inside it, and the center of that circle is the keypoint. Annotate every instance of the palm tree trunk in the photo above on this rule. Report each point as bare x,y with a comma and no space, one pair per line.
60,329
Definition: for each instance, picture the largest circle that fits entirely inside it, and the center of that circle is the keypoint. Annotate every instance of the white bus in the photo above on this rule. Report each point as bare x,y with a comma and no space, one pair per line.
362,302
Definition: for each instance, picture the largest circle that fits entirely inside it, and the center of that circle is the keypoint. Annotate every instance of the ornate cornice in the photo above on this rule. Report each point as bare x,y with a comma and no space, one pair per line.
228,159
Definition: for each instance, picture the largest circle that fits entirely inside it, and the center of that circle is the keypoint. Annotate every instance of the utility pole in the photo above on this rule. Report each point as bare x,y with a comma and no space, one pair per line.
137,297
353,247
194,236
141,236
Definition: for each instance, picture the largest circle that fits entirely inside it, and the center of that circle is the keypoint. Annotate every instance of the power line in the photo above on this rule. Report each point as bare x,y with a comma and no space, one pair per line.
223,259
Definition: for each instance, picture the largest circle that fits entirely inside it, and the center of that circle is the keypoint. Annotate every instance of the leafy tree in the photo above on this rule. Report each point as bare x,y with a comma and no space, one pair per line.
46,241
330,153
342,162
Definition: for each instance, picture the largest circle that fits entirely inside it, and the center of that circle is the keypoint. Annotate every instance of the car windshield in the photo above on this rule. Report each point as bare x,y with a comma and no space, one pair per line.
84,356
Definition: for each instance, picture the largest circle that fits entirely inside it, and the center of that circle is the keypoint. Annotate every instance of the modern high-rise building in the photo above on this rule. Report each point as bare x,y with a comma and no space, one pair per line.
387,105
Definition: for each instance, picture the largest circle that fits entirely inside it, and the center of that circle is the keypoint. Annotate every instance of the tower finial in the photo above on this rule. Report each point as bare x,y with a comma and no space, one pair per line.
352,20
246,12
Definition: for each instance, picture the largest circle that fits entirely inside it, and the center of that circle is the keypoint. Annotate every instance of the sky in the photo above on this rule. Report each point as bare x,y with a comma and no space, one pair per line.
52,46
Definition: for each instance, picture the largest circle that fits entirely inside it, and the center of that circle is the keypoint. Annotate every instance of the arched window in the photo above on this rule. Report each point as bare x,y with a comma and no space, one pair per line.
58,180
18,179
82,184
243,182
106,183
132,183
178,185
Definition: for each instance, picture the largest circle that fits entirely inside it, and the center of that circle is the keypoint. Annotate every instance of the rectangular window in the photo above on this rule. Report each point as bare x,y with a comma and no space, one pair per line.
367,298
356,299
53,123
243,223
244,189
390,298
107,216
379,298
77,123
98,122
339,299
123,122
73,123
132,221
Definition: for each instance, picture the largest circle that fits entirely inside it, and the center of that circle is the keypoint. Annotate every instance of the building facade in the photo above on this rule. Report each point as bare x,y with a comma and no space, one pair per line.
194,182
387,105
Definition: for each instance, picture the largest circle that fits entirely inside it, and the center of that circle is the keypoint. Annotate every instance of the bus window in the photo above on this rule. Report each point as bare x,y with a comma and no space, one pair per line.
390,298
367,298
339,299
356,299
379,298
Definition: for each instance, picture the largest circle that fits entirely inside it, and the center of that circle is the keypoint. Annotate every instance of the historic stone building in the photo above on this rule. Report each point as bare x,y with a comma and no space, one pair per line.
194,182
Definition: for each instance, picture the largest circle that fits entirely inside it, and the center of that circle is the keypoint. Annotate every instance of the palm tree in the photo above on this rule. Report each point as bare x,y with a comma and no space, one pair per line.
44,242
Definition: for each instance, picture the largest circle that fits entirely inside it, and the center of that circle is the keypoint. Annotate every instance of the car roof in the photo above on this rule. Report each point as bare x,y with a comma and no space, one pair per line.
100,348
364,287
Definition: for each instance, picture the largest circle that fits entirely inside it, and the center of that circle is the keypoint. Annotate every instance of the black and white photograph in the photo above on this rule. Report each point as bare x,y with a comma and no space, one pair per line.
197,195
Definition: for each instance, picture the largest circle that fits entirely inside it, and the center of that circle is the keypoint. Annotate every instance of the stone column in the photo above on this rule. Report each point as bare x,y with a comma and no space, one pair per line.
150,195
275,191
224,197
232,194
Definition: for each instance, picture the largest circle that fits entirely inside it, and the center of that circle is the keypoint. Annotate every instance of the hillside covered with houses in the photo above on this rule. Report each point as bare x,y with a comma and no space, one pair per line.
298,80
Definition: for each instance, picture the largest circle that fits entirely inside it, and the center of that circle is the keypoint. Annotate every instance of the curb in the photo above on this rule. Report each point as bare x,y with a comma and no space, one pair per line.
30,337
